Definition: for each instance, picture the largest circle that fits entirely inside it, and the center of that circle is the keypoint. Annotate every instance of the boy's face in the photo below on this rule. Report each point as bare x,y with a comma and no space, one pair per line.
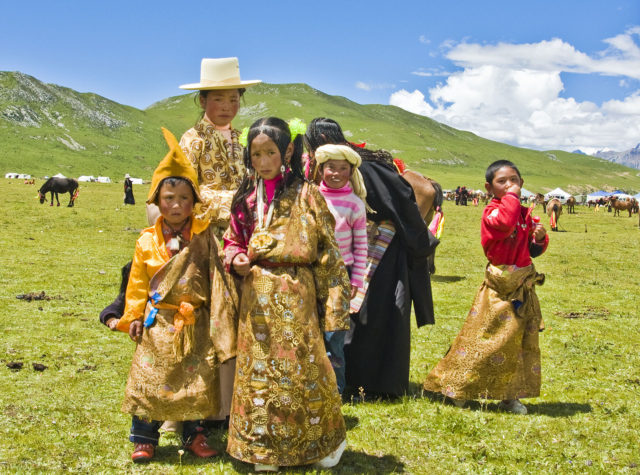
221,106
176,202
505,180
336,173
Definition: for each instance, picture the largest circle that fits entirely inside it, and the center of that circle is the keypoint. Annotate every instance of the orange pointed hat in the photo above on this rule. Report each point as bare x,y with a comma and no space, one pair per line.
175,163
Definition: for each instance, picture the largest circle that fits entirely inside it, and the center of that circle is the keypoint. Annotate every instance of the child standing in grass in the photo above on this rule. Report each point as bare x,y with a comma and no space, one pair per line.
344,191
496,354
286,409
169,312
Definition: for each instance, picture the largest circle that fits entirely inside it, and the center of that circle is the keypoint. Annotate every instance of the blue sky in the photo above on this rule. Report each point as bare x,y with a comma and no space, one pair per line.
543,74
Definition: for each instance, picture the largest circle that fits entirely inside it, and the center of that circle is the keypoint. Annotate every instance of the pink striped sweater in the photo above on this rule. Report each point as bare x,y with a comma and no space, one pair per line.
351,228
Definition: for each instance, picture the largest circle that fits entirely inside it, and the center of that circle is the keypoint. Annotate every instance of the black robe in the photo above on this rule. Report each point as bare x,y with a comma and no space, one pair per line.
377,358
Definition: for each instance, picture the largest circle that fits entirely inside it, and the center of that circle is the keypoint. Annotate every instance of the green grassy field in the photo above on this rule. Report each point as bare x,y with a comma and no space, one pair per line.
67,417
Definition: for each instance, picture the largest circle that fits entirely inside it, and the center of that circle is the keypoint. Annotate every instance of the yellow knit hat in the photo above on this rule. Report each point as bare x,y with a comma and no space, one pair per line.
328,152
175,163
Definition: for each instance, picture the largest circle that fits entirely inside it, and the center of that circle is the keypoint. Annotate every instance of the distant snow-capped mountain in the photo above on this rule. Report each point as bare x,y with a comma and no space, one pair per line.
630,158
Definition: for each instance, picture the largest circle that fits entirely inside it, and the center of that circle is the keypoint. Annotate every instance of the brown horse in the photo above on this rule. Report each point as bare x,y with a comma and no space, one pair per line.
571,203
429,199
554,210
618,205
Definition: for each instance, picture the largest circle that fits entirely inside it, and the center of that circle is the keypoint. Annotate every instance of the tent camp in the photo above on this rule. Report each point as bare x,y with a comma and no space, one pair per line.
86,178
526,194
11,175
557,193
596,195
103,179
137,181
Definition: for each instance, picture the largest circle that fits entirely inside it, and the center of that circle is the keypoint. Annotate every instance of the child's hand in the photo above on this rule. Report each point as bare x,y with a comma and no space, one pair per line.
514,188
135,330
241,264
354,290
112,323
539,233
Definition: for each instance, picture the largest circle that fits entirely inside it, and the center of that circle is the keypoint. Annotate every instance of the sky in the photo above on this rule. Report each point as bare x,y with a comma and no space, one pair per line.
547,75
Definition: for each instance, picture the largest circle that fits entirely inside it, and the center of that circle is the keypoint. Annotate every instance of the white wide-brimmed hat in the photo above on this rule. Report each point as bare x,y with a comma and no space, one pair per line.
219,73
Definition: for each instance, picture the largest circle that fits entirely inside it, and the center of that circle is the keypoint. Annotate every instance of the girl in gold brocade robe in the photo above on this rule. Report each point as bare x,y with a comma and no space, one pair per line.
286,409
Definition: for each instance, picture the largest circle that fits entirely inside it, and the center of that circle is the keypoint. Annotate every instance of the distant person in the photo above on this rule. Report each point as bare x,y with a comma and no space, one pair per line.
128,191
169,312
344,191
496,355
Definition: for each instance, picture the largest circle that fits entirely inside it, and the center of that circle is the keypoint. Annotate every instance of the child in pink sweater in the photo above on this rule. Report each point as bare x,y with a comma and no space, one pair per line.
344,191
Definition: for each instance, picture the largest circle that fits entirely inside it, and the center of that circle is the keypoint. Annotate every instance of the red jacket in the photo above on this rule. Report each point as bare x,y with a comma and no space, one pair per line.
507,233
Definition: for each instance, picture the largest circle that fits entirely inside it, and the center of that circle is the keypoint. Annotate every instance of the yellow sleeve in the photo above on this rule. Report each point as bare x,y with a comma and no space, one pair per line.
137,290
333,287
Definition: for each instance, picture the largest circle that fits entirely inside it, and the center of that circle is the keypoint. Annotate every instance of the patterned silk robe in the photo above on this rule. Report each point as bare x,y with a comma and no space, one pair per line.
496,355
286,409
220,170
163,384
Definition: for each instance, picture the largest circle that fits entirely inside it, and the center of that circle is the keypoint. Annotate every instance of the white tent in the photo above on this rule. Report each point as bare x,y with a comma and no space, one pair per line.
103,179
525,194
596,195
86,178
557,193
59,175
621,196
137,181
11,175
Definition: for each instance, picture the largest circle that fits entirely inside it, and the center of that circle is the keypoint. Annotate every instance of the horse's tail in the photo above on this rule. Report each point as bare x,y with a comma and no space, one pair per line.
439,197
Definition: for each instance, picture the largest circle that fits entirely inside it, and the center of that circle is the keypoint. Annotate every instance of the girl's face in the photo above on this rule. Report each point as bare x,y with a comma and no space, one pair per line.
265,156
336,173
176,202
221,106
506,179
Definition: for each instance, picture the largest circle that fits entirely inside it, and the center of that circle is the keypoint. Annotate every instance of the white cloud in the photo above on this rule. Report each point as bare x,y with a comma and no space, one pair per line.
371,86
432,72
424,40
511,93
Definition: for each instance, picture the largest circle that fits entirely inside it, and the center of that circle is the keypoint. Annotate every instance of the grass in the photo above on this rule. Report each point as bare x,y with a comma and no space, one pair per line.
67,417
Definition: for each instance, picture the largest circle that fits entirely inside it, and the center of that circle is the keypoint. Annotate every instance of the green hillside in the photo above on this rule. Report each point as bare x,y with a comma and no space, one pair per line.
119,139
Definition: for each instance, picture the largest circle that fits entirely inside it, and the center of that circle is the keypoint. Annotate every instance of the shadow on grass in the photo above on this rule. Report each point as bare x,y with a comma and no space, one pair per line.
351,462
550,409
447,278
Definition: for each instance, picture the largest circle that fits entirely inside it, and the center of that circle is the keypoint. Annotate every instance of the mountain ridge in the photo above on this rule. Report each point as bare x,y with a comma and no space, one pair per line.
46,129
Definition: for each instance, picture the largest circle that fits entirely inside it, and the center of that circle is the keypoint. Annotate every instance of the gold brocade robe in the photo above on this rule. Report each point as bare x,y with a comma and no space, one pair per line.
496,354
163,385
220,170
286,409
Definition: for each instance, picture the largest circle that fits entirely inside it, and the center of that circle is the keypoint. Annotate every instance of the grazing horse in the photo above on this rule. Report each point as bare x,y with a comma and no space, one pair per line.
571,204
618,205
539,199
59,185
429,199
554,210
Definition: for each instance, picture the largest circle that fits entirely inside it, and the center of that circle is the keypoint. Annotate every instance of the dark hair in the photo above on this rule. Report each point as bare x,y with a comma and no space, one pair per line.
278,131
174,181
202,94
322,131
490,174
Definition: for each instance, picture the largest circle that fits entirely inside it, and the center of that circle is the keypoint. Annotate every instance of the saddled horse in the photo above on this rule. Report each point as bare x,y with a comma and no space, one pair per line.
554,210
571,205
56,185
619,205
429,199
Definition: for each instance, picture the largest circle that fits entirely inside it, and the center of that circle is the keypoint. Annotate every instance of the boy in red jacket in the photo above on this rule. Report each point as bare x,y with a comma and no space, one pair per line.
496,354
